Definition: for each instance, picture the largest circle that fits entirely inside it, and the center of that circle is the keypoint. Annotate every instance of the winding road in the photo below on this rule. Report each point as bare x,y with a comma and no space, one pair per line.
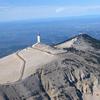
23,67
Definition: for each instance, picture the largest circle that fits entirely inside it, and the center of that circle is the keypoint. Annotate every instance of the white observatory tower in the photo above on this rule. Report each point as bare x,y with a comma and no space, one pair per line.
38,38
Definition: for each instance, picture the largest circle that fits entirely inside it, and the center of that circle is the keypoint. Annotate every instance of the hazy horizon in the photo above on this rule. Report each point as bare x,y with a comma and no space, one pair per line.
13,10
20,20
21,34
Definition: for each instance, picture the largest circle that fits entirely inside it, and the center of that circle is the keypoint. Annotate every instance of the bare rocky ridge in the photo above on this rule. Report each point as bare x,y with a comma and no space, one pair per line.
73,75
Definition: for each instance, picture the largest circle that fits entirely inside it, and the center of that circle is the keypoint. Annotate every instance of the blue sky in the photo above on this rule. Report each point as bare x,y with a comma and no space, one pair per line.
11,10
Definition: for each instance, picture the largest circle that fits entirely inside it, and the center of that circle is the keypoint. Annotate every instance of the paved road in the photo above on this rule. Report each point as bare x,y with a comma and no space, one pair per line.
23,67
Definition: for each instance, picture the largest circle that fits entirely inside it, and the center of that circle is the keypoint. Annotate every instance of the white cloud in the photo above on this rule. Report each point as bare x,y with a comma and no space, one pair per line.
60,9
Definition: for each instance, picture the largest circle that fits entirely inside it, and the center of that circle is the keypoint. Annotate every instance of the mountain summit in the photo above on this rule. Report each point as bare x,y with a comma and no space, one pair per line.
81,42
68,71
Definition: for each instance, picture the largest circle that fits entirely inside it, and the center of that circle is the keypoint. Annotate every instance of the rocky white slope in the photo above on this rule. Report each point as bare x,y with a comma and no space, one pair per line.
67,71
23,63
81,42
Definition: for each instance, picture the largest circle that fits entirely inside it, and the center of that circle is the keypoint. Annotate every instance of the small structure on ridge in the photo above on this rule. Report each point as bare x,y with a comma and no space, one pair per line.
38,38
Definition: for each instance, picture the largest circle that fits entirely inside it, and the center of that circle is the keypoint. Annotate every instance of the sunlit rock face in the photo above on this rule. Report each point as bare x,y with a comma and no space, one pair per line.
81,42
72,74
